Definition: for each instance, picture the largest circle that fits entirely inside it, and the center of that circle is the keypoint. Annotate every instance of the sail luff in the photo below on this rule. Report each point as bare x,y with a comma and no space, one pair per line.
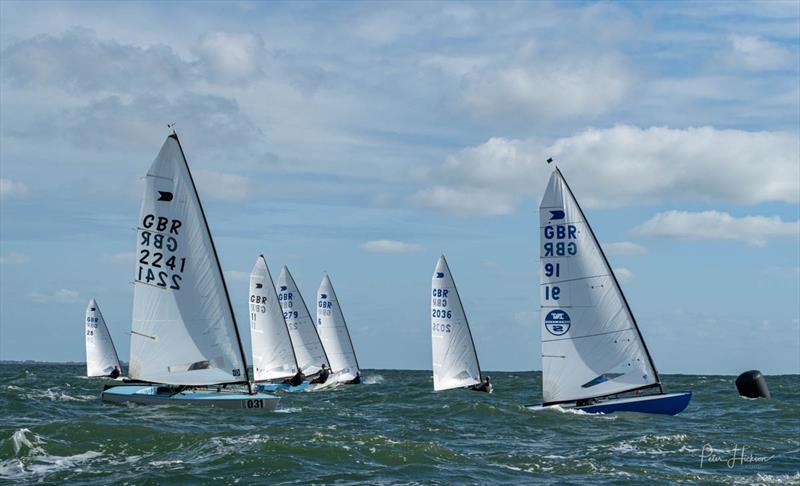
614,279
218,265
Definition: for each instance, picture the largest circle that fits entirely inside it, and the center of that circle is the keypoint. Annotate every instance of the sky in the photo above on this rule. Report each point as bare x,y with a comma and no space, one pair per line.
366,139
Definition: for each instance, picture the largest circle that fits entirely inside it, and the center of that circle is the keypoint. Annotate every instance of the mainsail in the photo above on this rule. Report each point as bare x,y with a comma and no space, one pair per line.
591,345
101,356
334,334
183,330
455,362
307,345
273,355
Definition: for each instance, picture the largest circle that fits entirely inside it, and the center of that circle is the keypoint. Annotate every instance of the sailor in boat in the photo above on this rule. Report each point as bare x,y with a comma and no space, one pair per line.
115,372
323,375
296,380
354,381
484,386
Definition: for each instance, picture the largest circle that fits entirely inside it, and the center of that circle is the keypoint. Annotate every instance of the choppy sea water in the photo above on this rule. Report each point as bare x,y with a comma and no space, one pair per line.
394,429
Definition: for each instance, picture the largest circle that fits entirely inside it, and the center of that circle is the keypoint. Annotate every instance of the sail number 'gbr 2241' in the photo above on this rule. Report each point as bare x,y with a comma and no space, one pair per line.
159,263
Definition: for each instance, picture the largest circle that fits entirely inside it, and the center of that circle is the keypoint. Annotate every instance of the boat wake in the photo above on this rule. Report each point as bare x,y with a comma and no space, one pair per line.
373,379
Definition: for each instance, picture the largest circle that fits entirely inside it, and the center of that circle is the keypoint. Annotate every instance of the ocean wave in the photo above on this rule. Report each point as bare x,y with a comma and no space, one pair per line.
58,396
373,379
36,462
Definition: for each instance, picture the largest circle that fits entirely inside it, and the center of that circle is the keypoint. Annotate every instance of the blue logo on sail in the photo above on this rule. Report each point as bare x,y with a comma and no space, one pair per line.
557,322
439,275
283,288
323,296
556,214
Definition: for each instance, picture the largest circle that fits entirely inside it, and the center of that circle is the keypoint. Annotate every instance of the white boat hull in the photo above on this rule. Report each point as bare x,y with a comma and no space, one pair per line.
159,395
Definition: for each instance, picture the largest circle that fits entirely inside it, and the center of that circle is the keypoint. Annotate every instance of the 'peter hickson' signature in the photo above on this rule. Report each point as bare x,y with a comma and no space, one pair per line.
708,455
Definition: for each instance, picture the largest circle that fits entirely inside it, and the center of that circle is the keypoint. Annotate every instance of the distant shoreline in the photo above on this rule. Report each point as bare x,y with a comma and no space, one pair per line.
83,363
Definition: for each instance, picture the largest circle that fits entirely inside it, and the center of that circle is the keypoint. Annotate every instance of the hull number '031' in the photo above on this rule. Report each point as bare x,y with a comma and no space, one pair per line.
259,403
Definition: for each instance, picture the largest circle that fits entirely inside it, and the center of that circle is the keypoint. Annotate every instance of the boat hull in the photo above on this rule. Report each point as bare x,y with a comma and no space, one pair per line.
666,404
149,395
281,387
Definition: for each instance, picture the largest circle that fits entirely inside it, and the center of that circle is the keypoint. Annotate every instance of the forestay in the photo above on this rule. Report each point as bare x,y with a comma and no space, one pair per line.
334,334
307,345
183,330
101,356
273,355
455,362
591,346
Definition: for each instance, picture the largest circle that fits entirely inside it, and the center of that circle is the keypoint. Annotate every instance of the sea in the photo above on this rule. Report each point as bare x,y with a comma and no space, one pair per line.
394,429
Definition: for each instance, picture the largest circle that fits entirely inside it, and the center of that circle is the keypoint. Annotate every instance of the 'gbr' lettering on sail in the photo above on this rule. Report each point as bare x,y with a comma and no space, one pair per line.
160,263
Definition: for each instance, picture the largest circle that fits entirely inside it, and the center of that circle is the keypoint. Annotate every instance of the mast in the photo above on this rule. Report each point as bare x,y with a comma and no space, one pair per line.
466,321
174,136
616,284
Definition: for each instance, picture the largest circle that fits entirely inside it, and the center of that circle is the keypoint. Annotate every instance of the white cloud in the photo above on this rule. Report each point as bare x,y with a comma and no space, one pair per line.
716,225
232,56
623,274
223,186
237,276
623,165
548,88
14,259
755,53
127,257
390,246
472,202
61,296
624,248
11,189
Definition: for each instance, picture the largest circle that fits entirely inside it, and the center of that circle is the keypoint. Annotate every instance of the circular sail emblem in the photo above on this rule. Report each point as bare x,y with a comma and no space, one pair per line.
557,322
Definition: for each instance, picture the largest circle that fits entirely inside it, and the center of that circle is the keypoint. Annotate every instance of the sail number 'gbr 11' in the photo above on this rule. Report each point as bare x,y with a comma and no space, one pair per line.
159,262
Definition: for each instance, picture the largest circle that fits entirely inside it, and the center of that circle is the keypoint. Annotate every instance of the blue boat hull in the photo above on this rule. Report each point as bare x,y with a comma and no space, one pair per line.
667,404
281,387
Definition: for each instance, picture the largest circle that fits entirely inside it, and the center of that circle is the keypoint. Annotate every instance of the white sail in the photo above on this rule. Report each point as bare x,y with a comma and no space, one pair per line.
334,334
307,345
273,355
455,362
591,346
101,356
183,330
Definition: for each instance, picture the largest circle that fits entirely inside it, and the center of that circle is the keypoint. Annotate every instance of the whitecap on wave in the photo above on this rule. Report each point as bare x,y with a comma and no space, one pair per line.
32,460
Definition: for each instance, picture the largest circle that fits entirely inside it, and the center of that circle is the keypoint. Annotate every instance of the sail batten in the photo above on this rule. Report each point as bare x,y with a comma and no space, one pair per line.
588,333
273,354
455,361
183,330
334,334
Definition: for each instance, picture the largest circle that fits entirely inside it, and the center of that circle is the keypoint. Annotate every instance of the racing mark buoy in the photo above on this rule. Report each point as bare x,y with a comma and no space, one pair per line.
752,384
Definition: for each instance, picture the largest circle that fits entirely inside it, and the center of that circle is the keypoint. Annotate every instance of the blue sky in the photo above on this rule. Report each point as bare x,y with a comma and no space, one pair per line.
364,139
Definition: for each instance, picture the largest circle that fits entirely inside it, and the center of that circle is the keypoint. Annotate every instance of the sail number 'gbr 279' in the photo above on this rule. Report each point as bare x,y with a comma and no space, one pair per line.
159,261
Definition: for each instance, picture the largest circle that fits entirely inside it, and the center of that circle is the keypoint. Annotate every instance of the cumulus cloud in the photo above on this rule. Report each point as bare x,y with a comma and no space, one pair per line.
624,248
757,54
716,225
10,189
624,165
61,296
79,61
623,274
14,259
232,57
119,258
550,88
390,246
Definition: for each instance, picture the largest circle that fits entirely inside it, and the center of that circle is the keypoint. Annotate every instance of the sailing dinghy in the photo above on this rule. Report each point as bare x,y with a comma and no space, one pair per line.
306,342
594,357
335,337
184,337
273,355
101,355
455,362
